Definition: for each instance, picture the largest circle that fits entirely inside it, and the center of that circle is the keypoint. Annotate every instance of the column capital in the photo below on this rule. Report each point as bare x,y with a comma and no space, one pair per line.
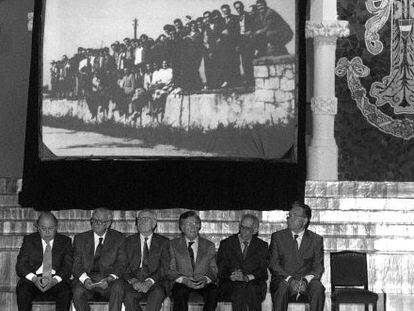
324,105
326,28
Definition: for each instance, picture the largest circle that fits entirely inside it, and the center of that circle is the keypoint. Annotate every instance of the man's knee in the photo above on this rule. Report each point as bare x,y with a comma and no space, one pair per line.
63,291
129,298
117,288
78,291
180,291
316,287
282,289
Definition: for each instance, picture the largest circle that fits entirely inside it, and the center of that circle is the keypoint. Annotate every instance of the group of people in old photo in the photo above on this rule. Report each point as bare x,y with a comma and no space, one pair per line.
215,50
146,267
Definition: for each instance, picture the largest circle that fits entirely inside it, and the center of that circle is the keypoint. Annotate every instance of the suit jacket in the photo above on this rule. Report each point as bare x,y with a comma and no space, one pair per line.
233,28
112,260
229,257
249,21
211,37
30,257
180,262
158,261
286,259
271,21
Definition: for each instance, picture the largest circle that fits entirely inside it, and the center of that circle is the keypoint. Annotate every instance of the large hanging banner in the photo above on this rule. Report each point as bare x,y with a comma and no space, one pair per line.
376,66
168,79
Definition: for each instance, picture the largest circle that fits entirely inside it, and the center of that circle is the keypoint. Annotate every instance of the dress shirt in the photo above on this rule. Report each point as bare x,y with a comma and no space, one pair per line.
30,275
299,238
96,238
242,20
250,276
162,75
149,239
138,55
194,246
299,241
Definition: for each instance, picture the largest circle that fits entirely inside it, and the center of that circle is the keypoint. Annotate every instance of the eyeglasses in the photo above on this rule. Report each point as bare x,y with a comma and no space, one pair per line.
294,216
246,228
45,229
98,222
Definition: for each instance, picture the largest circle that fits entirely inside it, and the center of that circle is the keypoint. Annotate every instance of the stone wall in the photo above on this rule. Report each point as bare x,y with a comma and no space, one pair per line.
273,101
276,83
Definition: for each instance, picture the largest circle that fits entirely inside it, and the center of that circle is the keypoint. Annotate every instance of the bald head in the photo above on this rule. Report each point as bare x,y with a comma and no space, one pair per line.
47,226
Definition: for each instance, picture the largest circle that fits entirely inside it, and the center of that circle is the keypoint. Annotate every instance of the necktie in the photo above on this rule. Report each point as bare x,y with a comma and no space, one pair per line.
245,245
47,261
296,240
191,253
97,256
145,254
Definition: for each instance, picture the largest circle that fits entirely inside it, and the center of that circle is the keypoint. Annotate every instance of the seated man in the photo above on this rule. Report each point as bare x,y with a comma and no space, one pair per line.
272,32
99,262
242,267
296,262
148,259
44,266
193,265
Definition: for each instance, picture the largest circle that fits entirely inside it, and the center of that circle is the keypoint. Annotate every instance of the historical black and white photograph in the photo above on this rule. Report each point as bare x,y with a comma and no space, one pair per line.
169,78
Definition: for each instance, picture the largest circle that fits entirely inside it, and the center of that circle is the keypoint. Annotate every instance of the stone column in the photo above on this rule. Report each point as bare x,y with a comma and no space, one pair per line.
322,156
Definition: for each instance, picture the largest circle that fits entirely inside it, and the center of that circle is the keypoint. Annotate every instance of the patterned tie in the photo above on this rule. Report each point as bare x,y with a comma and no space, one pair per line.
47,261
145,254
191,253
245,245
296,240
97,256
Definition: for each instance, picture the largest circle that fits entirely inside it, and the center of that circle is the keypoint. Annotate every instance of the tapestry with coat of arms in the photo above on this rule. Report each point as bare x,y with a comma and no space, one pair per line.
375,89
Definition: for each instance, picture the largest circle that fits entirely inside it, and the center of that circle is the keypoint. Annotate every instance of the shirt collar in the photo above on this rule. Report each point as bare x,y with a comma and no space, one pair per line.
300,234
50,242
97,237
149,237
242,241
195,240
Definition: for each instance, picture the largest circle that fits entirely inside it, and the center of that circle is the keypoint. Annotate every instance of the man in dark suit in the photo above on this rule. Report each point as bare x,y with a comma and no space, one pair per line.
228,61
193,265
296,262
272,31
242,267
44,266
148,259
99,262
211,36
245,46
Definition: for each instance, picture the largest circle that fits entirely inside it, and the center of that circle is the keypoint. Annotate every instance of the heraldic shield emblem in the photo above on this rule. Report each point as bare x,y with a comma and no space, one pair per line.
390,104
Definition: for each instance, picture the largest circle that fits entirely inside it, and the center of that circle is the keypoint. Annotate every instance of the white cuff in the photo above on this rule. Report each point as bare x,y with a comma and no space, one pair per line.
180,279
251,277
208,279
30,276
58,278
309,277
152,280
83,278
114,276
288,278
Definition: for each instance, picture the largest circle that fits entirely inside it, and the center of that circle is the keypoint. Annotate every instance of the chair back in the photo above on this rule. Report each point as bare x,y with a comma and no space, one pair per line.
348,268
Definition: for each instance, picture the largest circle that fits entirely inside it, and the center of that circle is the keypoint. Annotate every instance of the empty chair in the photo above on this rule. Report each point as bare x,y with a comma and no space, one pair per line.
349,280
